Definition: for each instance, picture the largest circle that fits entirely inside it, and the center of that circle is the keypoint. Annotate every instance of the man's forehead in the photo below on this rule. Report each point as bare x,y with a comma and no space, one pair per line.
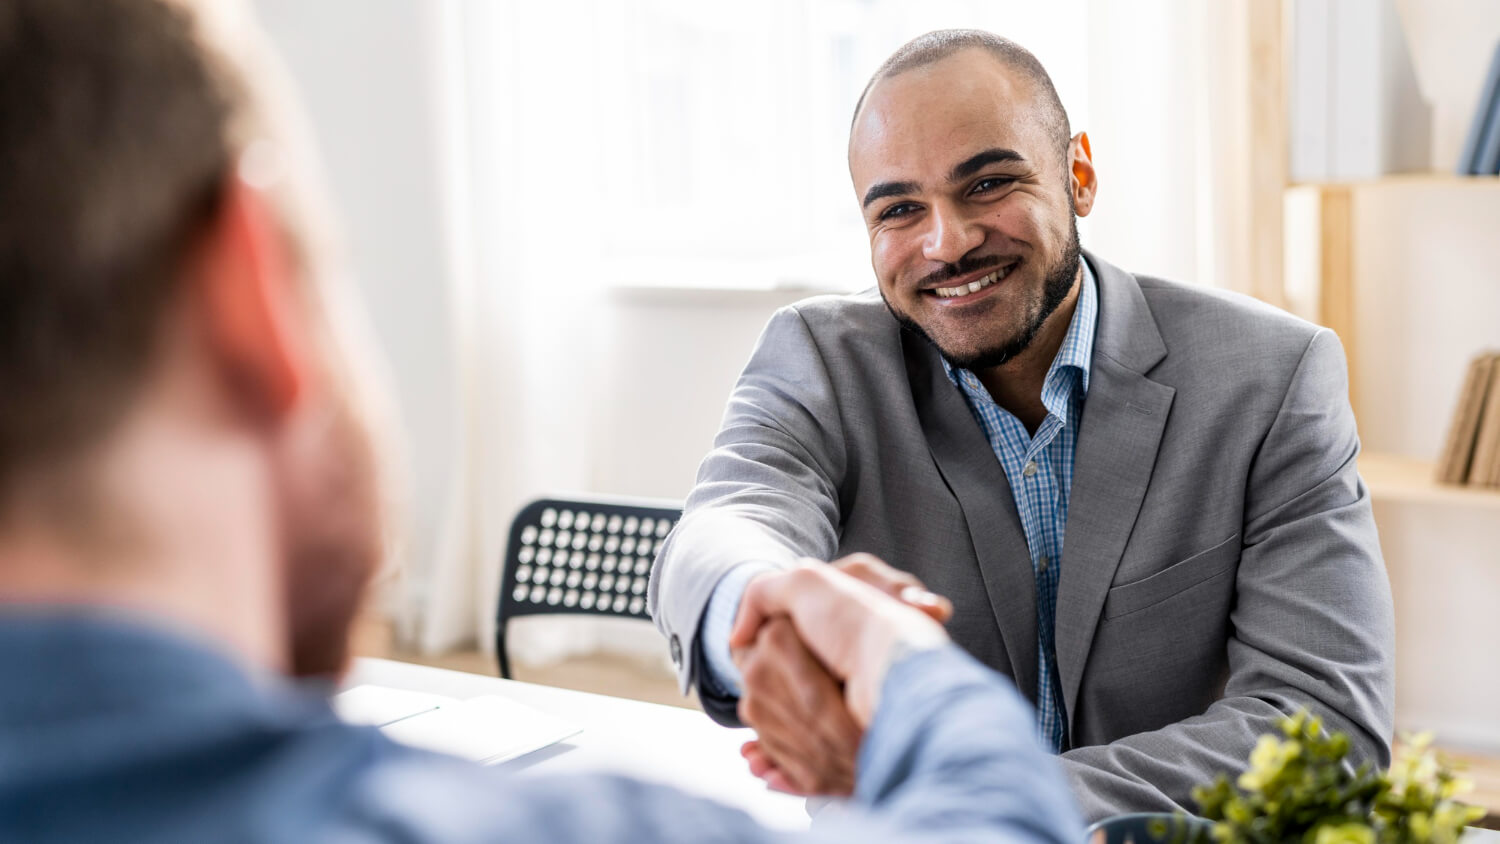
935,116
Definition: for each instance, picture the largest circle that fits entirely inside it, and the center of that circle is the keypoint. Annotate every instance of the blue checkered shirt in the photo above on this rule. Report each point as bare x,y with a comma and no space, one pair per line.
1040,470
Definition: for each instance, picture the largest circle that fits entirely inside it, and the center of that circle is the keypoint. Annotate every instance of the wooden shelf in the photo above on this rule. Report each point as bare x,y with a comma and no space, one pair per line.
1399,181
1407,479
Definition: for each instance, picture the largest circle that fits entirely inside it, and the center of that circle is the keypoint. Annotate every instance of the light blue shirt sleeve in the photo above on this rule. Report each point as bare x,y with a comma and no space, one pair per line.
951,757
718,620
953,751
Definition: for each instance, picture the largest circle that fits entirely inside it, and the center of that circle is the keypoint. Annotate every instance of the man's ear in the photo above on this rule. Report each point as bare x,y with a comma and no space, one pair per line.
1084,182
254,324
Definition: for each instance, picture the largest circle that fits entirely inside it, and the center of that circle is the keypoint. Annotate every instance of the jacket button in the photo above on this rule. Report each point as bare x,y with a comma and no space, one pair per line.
676,651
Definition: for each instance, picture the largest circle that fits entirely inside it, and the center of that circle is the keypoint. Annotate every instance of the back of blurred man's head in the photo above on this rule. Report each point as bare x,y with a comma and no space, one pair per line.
113,156
177,413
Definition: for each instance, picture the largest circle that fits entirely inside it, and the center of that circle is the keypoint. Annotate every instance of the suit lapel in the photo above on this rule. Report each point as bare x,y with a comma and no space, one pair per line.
975,476
1124,415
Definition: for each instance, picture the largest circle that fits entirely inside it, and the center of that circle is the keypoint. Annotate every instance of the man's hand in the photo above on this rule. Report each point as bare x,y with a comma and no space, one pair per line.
854,629
901,585
807,741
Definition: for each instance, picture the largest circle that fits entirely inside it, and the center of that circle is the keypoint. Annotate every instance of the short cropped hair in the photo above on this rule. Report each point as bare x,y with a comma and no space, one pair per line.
935,46
114,150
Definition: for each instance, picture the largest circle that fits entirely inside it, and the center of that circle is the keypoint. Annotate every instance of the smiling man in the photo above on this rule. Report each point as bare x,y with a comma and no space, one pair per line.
1140,497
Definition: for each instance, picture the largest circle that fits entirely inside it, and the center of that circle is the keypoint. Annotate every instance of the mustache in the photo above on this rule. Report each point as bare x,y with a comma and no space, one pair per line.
965,266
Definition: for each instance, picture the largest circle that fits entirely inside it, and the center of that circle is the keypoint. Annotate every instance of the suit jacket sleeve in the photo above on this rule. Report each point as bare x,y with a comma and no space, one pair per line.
766,493
1312,624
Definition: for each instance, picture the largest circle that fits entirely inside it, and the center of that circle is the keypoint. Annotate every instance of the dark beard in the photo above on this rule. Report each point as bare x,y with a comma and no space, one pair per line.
1055,289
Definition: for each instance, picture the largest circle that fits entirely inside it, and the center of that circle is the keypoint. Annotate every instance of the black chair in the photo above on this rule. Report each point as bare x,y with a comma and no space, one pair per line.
580,557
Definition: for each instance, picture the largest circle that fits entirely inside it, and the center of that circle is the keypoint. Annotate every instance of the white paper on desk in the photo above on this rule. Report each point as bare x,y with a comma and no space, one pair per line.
487,729
377,706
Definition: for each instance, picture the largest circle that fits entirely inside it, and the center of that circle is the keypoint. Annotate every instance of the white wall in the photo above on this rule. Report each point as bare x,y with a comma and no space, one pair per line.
674,355
369,76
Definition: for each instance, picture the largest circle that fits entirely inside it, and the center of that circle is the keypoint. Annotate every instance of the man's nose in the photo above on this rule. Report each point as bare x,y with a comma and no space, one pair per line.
951,236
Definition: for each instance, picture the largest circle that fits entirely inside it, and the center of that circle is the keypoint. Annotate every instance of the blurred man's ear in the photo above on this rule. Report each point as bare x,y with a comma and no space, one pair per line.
248,300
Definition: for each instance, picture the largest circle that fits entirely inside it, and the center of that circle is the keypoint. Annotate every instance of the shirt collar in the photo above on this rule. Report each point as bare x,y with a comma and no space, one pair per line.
1078,345
1074,356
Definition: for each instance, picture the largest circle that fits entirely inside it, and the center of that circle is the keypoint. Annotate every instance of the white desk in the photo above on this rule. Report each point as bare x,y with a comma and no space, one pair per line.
666,744
679,747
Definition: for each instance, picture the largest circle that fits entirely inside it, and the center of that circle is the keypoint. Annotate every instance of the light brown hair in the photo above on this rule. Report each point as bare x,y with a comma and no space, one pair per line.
114,147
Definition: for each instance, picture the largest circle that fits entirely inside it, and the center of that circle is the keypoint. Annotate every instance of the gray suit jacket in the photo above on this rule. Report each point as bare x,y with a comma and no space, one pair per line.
1220,563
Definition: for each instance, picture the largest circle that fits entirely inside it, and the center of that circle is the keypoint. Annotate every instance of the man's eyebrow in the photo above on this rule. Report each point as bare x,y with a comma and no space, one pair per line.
968,167
885,189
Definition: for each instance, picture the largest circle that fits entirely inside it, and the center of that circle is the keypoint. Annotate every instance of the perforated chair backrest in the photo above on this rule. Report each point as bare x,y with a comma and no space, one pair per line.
577,556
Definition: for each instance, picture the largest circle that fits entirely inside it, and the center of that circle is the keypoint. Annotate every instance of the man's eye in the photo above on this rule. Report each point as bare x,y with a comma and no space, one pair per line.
900,209
991,183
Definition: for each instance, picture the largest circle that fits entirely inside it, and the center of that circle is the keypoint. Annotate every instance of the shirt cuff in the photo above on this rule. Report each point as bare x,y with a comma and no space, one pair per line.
723,676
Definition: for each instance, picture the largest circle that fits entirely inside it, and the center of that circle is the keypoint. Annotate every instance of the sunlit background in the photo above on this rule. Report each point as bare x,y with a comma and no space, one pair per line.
571,219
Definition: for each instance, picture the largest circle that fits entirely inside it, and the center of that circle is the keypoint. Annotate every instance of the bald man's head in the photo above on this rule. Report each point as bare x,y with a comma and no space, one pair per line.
969,185
929,49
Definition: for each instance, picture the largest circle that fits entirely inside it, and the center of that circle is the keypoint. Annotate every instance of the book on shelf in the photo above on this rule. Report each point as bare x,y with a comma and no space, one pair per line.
1463,431
1484,470
1311,153
1481,151
1355,110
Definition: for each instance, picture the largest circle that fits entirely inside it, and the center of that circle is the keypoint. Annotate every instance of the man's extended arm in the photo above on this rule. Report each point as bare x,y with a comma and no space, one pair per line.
950,753
950,757
1312,624
766,495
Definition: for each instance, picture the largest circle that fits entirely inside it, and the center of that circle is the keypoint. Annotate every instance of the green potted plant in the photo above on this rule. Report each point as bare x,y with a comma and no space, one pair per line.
1301,788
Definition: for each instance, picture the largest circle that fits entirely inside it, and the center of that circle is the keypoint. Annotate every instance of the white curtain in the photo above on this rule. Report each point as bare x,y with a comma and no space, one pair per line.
1169,124
678,144
527,289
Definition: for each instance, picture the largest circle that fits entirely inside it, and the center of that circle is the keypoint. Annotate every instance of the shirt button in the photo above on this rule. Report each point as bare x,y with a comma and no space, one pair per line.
1042,563
1030,468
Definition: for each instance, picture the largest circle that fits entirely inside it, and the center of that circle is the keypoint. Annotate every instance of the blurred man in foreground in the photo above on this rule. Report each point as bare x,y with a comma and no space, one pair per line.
189,512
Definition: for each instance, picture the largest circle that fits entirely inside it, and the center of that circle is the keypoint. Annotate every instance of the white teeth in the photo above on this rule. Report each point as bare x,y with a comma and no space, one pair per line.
971,287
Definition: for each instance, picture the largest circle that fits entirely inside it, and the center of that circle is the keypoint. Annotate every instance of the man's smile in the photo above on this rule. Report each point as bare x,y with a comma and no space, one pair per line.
972,288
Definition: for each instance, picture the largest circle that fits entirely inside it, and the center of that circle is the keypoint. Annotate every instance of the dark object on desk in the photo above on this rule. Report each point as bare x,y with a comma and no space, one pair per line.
1481,152
580,557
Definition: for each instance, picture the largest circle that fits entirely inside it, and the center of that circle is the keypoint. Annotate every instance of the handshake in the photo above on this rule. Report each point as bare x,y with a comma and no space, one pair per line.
813,645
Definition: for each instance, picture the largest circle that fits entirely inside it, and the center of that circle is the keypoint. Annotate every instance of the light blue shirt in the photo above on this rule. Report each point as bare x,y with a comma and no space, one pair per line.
112,730
1040,470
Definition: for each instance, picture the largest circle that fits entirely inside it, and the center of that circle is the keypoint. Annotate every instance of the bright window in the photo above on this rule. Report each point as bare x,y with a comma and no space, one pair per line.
689,143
